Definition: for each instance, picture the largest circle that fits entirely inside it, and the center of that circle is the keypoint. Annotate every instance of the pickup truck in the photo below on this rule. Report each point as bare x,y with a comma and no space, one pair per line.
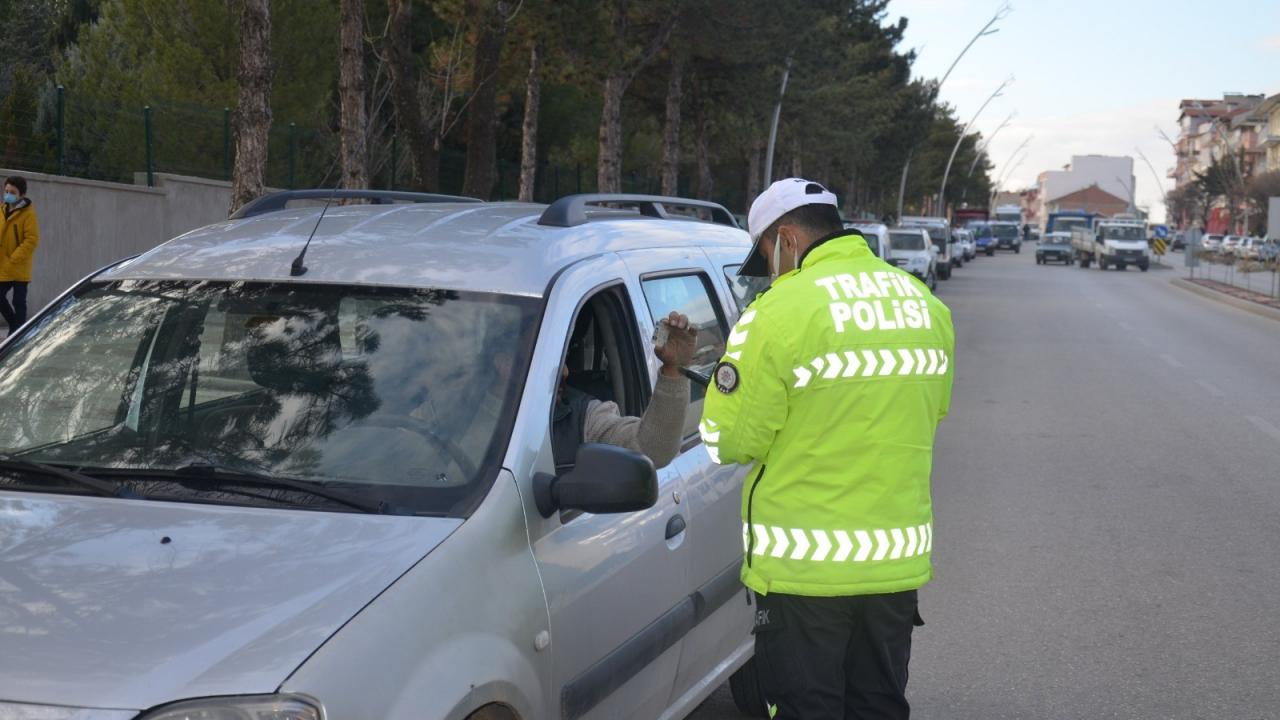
1116,243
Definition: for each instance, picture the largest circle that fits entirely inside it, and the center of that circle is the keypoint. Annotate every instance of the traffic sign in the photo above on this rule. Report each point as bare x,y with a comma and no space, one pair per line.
1161,231
1157,246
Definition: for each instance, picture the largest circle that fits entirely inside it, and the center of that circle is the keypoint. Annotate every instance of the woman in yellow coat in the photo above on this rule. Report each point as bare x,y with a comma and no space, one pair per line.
19,236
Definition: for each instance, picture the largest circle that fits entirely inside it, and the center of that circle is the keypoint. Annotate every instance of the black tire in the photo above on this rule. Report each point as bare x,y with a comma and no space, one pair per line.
1084,262
990,252
1017,249
944,273
748,695
1144,266
1038,261
1121,266
931,281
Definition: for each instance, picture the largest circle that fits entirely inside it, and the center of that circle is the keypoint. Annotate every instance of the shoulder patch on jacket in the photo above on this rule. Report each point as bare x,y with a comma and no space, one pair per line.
726,377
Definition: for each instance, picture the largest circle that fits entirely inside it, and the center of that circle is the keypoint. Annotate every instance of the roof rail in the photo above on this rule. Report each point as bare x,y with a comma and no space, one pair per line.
278,200
571,210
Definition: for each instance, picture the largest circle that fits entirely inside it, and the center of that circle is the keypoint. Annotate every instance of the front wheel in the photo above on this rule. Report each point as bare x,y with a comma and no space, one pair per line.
931,281
1143,267
944,273
748,693
1017,249
990,252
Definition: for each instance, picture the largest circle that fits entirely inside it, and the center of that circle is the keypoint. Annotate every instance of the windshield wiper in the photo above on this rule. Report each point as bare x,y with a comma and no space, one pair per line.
215,471
102,487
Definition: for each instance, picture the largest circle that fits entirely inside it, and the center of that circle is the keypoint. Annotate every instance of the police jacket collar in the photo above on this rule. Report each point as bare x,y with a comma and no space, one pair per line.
841,243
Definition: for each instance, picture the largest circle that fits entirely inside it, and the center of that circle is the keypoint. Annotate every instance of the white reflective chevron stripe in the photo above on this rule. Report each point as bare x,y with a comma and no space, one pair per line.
737,336
882,544
762,539
883,362
871,545
824,546
780,542
802,544
864,545
834,366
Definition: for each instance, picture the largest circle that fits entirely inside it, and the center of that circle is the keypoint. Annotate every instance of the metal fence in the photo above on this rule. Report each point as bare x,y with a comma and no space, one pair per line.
1255,276
94,137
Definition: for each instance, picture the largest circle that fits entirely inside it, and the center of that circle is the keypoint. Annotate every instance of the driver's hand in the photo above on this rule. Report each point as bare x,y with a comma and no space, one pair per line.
682,337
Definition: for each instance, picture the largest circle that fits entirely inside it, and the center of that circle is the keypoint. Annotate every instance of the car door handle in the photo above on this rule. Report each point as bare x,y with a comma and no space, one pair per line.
675,526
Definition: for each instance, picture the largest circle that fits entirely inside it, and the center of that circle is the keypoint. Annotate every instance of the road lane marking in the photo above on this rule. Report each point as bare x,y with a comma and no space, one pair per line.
1212,389
1266,427
1173,362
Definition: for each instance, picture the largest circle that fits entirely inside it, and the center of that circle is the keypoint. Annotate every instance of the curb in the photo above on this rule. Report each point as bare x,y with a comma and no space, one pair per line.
1245,305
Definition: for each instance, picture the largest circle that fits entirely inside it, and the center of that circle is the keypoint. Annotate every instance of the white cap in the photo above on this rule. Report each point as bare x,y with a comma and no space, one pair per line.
779,199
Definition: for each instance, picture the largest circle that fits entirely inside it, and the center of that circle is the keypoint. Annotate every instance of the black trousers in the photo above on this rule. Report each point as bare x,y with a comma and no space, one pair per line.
841,658
15,314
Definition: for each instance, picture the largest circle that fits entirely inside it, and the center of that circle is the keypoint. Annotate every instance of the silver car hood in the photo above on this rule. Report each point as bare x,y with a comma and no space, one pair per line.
109,603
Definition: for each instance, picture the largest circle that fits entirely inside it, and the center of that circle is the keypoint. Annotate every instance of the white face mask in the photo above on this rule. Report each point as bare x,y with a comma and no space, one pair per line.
776,270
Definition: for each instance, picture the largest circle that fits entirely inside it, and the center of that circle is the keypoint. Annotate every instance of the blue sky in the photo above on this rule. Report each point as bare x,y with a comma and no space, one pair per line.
1093,76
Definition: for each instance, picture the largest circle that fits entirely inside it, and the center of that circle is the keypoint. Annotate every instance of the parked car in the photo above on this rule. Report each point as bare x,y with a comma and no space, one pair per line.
1055,247
984,239
1008,236
1178,241
1212,242
1247,249
968,248
1269,249
243,479
1229,245
913,251
876,234
940,234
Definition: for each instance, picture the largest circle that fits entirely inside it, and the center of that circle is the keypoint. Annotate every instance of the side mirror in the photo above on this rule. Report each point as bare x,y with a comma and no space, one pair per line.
604,479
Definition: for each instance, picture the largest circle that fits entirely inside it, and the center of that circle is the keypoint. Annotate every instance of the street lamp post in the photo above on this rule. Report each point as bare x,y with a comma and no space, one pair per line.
982,148
942,198
1001,13
773,129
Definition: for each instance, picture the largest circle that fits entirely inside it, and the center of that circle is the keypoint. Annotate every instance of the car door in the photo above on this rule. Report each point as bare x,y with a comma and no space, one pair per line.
686,281
616,585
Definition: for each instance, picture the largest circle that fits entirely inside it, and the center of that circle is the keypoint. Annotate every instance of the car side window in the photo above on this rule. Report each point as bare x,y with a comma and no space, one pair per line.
692,296
602,356
744,289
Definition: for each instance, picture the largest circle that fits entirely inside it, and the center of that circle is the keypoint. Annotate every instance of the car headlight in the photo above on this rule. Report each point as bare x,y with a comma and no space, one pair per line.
248,707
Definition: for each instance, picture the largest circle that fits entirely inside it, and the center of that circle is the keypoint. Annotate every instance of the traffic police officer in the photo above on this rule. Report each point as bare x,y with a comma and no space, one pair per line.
832,385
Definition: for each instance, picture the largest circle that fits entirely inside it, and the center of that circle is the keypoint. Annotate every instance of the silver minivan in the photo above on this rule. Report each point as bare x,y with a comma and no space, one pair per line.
298,465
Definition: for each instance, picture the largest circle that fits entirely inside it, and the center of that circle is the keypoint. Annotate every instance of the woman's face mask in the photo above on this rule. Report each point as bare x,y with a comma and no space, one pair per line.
10,198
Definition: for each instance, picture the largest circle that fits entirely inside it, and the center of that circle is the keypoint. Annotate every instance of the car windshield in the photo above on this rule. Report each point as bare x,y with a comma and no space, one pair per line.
403,396
912,241
1066,225
1055,240
1123,232
1005,232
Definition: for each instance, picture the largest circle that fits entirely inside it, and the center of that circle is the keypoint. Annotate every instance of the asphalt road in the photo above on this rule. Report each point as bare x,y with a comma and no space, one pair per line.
1107,503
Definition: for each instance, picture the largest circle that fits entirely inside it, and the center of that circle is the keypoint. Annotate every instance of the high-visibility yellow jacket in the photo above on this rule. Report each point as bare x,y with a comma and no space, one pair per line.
19,236
832,384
